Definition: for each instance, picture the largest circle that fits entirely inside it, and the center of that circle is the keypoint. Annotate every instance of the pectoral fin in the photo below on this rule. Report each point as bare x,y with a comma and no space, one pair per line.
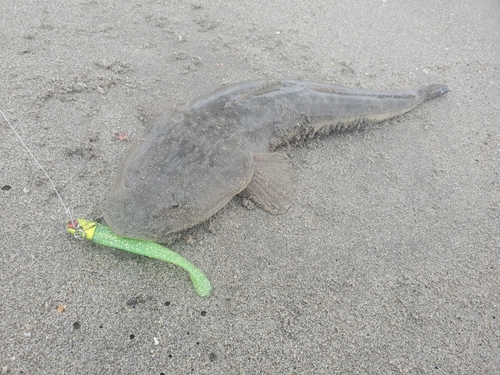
272,183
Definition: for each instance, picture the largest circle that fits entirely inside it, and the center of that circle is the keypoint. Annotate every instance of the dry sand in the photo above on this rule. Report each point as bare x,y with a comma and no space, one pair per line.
388,261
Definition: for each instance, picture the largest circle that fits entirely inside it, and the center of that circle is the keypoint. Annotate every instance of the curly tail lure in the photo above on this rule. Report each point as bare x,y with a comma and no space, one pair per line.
102,235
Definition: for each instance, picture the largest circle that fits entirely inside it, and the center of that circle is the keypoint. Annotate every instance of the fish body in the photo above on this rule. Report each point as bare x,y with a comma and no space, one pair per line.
191,161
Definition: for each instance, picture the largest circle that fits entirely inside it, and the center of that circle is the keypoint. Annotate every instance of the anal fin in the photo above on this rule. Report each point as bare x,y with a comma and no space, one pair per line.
272,182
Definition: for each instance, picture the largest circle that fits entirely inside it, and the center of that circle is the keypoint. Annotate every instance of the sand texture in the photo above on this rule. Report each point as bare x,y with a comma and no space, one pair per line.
388,260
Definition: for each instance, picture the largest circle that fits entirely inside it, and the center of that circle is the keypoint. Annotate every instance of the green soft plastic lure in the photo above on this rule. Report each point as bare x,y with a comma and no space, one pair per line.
102,235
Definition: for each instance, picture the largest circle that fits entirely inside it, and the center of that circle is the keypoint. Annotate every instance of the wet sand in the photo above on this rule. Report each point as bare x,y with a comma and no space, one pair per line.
388,260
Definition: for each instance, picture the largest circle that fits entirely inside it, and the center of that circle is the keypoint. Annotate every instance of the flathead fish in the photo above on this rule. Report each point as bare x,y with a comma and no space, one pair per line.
192,160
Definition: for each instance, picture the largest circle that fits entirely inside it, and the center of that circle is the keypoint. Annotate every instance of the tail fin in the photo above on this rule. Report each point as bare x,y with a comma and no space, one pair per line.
433,91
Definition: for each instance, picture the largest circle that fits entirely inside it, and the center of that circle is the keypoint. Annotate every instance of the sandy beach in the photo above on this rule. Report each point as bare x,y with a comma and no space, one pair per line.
388,261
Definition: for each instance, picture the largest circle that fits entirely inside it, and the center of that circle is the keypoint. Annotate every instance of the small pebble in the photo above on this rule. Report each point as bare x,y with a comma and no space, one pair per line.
132,302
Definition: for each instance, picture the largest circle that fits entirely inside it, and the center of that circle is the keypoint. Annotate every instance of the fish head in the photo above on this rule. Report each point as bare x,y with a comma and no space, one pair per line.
143,205
170,181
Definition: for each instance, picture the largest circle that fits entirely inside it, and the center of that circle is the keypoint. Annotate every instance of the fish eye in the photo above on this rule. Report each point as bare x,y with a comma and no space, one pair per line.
130,178
174,206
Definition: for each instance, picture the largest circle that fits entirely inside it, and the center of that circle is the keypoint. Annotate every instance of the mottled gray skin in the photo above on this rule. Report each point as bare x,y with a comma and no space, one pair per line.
193,160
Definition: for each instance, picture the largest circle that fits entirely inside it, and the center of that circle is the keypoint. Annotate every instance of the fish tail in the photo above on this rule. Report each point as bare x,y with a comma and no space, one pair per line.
433,91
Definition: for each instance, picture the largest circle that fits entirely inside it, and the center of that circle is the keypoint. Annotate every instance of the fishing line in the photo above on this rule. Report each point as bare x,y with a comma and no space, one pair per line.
102,234
68,211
